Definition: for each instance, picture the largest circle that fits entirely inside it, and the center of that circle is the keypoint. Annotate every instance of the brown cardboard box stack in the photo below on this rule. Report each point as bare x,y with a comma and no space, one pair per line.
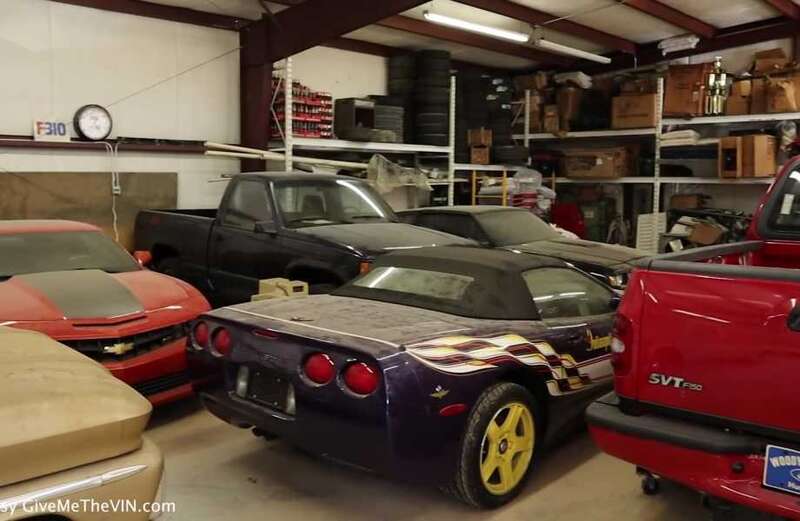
685,89
597,163
537,83
480,145
747,156
633,111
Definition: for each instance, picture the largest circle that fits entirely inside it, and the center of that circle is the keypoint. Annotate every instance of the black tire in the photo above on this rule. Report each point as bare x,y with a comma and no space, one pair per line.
401,87
389,111
403,61
433,95
428,118
387,101
432,54
439,140
468,485
426,82
514,155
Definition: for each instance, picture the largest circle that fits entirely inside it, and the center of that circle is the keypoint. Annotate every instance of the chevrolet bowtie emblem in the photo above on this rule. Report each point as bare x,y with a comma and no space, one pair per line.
120,348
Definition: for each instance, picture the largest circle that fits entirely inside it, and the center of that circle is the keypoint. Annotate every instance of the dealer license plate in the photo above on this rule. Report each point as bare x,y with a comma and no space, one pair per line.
782,469
268,388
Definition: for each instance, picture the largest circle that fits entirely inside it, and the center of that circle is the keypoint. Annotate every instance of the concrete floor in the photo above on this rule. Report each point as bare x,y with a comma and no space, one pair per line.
218,472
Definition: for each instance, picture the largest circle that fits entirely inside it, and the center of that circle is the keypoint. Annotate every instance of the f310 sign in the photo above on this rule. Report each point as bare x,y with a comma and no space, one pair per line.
44,130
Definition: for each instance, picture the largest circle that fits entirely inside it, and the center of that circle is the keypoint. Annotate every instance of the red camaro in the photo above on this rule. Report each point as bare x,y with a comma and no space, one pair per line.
70,281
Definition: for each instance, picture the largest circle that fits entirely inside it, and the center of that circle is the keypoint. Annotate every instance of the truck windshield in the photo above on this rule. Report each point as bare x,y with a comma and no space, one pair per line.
60,251
513,227
316,202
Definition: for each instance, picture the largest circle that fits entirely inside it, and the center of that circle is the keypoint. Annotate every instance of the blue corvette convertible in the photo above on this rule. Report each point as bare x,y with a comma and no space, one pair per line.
453,366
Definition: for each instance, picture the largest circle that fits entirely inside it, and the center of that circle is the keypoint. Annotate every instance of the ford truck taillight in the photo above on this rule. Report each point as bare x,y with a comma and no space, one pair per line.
621,344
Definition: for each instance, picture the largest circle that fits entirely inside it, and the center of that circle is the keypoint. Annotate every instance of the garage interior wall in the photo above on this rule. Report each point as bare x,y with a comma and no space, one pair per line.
66,56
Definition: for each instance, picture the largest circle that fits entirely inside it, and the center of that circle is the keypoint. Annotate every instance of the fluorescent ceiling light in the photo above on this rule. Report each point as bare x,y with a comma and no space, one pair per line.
495,32
570,51
678,43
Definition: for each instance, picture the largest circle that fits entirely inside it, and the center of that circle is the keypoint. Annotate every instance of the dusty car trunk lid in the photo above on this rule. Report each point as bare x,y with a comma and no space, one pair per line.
371,327
65,409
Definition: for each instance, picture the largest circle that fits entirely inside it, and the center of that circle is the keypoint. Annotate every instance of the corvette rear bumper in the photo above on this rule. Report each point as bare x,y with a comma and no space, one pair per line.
712,461
160,376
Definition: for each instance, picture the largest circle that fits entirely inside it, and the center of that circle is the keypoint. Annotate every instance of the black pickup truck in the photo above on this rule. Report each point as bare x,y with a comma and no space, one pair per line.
322,229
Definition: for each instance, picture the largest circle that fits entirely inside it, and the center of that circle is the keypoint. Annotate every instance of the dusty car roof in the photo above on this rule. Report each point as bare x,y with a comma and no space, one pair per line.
13,226
496,290
463,209
453,257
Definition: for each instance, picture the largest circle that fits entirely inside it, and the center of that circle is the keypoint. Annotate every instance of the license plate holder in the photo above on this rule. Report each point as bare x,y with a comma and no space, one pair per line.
268,388
782,469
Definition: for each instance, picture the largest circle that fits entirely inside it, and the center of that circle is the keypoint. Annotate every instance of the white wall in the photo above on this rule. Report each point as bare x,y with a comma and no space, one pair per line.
344,74
56,57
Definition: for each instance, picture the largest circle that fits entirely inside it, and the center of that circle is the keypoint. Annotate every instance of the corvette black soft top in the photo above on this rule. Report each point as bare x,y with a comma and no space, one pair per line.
497,292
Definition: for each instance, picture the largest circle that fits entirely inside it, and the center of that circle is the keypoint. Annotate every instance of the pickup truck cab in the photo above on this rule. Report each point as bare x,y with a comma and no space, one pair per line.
706,352
321,229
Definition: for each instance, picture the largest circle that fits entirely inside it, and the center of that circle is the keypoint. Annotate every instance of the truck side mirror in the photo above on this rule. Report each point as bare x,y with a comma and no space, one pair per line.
265,227
143,257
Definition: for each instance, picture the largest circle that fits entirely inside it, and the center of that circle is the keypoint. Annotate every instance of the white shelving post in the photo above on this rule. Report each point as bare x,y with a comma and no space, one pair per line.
451,152
288,111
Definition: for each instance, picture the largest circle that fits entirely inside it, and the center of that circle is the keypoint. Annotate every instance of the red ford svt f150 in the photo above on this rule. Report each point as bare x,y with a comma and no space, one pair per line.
707,357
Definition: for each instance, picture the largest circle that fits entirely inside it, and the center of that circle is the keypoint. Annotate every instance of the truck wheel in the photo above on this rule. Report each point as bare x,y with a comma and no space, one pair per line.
499,446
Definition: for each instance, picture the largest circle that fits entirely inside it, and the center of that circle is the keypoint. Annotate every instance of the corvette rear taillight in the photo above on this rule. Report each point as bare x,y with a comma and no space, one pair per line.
221,341
360,378
621,343
319,368
200,334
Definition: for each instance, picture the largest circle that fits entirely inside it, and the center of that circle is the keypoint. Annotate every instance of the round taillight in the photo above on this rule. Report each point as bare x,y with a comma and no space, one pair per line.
360,378
319,368
200,333
222,341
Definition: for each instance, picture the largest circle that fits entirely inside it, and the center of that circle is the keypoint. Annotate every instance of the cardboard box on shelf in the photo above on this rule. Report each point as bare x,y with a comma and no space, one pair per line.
758,155
758,96
769,61
479,155
638,85
479,137
783,93
633,111
568,100
535,81
747,156
550,120
598,163
684,89
738,101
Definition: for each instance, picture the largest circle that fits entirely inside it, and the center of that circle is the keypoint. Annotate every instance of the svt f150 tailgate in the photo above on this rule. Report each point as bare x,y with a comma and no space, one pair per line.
713,340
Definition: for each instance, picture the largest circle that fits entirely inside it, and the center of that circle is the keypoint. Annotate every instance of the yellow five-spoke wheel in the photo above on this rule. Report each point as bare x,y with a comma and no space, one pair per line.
499,446
507,448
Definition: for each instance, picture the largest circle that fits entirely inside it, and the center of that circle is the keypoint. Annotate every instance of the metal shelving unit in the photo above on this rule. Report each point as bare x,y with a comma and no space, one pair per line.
290,142
657,181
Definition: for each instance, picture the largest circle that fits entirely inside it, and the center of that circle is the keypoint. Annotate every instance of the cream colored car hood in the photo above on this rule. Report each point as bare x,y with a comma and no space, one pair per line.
60,409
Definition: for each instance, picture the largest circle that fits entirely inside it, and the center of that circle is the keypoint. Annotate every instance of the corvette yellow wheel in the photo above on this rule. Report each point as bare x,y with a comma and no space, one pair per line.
499,448
507,448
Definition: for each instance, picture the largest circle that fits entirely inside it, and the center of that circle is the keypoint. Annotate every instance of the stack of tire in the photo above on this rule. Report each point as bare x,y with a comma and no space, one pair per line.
462,123
432,97
402,79
473,88
390,115
501,115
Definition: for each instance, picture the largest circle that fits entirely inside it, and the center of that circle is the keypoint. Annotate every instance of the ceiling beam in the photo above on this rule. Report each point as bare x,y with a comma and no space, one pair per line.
736,36
671,15
163,12
423,28
315,22
786,8
534,17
